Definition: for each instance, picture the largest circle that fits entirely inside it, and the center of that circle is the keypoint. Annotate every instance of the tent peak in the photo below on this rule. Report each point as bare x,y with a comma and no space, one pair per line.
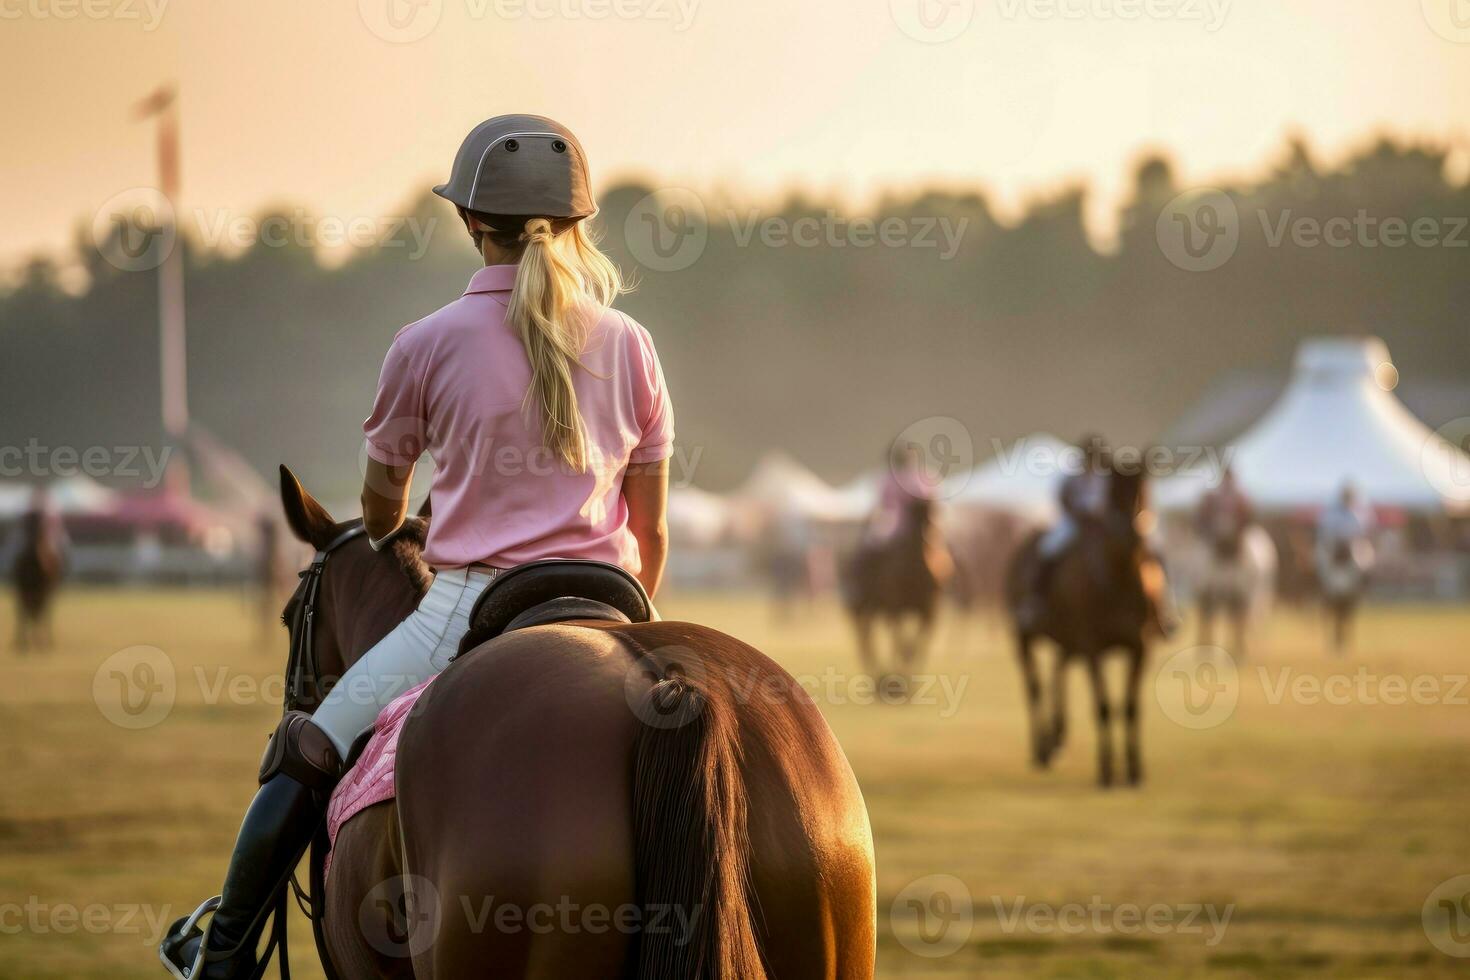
1339,358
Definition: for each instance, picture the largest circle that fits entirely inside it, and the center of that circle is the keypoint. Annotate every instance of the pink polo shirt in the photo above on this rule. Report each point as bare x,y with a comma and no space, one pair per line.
453,385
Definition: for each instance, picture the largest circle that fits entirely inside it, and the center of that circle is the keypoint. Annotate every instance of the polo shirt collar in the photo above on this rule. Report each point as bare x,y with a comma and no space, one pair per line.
493,279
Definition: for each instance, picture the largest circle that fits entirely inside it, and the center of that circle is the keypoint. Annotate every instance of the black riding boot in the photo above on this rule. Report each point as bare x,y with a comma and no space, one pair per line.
277,828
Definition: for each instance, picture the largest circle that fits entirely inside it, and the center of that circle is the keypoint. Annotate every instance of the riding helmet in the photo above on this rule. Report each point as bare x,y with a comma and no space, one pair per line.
521,164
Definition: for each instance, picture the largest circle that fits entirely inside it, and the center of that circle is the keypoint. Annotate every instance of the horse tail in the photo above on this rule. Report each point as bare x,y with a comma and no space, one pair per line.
691,849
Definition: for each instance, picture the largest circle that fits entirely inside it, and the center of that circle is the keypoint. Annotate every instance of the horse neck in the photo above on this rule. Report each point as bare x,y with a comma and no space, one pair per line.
366,600
1111,545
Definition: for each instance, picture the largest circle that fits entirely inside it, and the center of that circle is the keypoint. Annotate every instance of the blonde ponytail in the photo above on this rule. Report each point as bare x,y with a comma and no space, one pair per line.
562,286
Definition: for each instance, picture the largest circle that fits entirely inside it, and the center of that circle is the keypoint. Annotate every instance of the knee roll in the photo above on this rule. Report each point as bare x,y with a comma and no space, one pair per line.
302,751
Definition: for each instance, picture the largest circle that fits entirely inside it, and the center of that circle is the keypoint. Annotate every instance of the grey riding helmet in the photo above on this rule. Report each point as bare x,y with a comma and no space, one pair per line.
521,165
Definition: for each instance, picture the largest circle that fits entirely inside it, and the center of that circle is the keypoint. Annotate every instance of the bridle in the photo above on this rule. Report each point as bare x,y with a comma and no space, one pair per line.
301,670
301,666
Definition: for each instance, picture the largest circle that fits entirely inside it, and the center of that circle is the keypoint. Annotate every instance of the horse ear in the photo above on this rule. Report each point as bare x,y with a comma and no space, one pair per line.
309,520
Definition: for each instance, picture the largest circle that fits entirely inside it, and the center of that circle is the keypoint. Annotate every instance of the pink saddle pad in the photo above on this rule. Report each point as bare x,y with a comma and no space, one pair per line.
370,780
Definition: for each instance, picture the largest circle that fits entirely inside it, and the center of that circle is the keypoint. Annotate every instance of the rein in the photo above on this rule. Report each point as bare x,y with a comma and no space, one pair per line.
301,670
301,665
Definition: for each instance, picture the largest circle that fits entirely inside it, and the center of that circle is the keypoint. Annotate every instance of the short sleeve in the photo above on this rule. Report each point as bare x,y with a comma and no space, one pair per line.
395,432
655,411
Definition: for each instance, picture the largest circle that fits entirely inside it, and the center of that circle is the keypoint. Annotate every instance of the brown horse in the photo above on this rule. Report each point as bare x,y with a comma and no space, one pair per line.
898,581
37,573
590,800
1098,599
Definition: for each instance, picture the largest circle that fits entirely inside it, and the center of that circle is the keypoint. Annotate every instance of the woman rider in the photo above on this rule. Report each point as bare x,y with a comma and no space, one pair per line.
550,428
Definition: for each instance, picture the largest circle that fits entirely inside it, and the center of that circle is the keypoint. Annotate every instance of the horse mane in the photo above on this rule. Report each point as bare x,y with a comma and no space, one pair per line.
408,548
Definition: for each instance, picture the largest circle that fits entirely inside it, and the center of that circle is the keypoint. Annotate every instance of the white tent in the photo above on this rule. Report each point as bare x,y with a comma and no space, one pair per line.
859,496
76,494
15,498
697,517
1024,478
780,485
1336,422
80,494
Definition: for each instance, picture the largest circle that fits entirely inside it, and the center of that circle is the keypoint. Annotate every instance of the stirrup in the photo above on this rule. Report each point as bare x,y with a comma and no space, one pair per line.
178,936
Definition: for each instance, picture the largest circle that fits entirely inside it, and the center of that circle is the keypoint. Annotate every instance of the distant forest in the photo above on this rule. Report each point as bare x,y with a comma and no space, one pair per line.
827,352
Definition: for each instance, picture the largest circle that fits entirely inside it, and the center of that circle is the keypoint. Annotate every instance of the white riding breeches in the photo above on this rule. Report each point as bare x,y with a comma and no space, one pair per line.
416,650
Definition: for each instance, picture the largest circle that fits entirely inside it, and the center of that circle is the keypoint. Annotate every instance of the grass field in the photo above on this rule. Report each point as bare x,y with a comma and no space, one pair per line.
1319,818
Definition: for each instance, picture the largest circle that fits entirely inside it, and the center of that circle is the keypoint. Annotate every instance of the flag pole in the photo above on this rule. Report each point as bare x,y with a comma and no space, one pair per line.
163,106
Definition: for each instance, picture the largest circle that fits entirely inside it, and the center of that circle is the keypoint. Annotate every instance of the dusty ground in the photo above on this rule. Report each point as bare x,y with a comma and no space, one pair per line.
1301,834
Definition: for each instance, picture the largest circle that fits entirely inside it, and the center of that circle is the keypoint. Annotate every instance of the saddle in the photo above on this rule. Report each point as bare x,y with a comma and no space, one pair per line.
555,590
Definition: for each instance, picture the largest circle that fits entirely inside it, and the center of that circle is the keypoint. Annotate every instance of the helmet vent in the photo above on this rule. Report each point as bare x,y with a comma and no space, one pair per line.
512,145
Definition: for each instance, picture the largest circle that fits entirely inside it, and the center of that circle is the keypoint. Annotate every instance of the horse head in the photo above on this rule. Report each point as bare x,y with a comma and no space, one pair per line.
360,595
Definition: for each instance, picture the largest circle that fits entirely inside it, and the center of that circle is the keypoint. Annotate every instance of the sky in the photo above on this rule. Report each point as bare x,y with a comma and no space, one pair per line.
352,107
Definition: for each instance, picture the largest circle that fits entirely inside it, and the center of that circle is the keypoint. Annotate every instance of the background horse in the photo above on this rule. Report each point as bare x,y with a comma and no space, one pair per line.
1239,573
1342,575
37,574
1097,600
669,789
897,581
